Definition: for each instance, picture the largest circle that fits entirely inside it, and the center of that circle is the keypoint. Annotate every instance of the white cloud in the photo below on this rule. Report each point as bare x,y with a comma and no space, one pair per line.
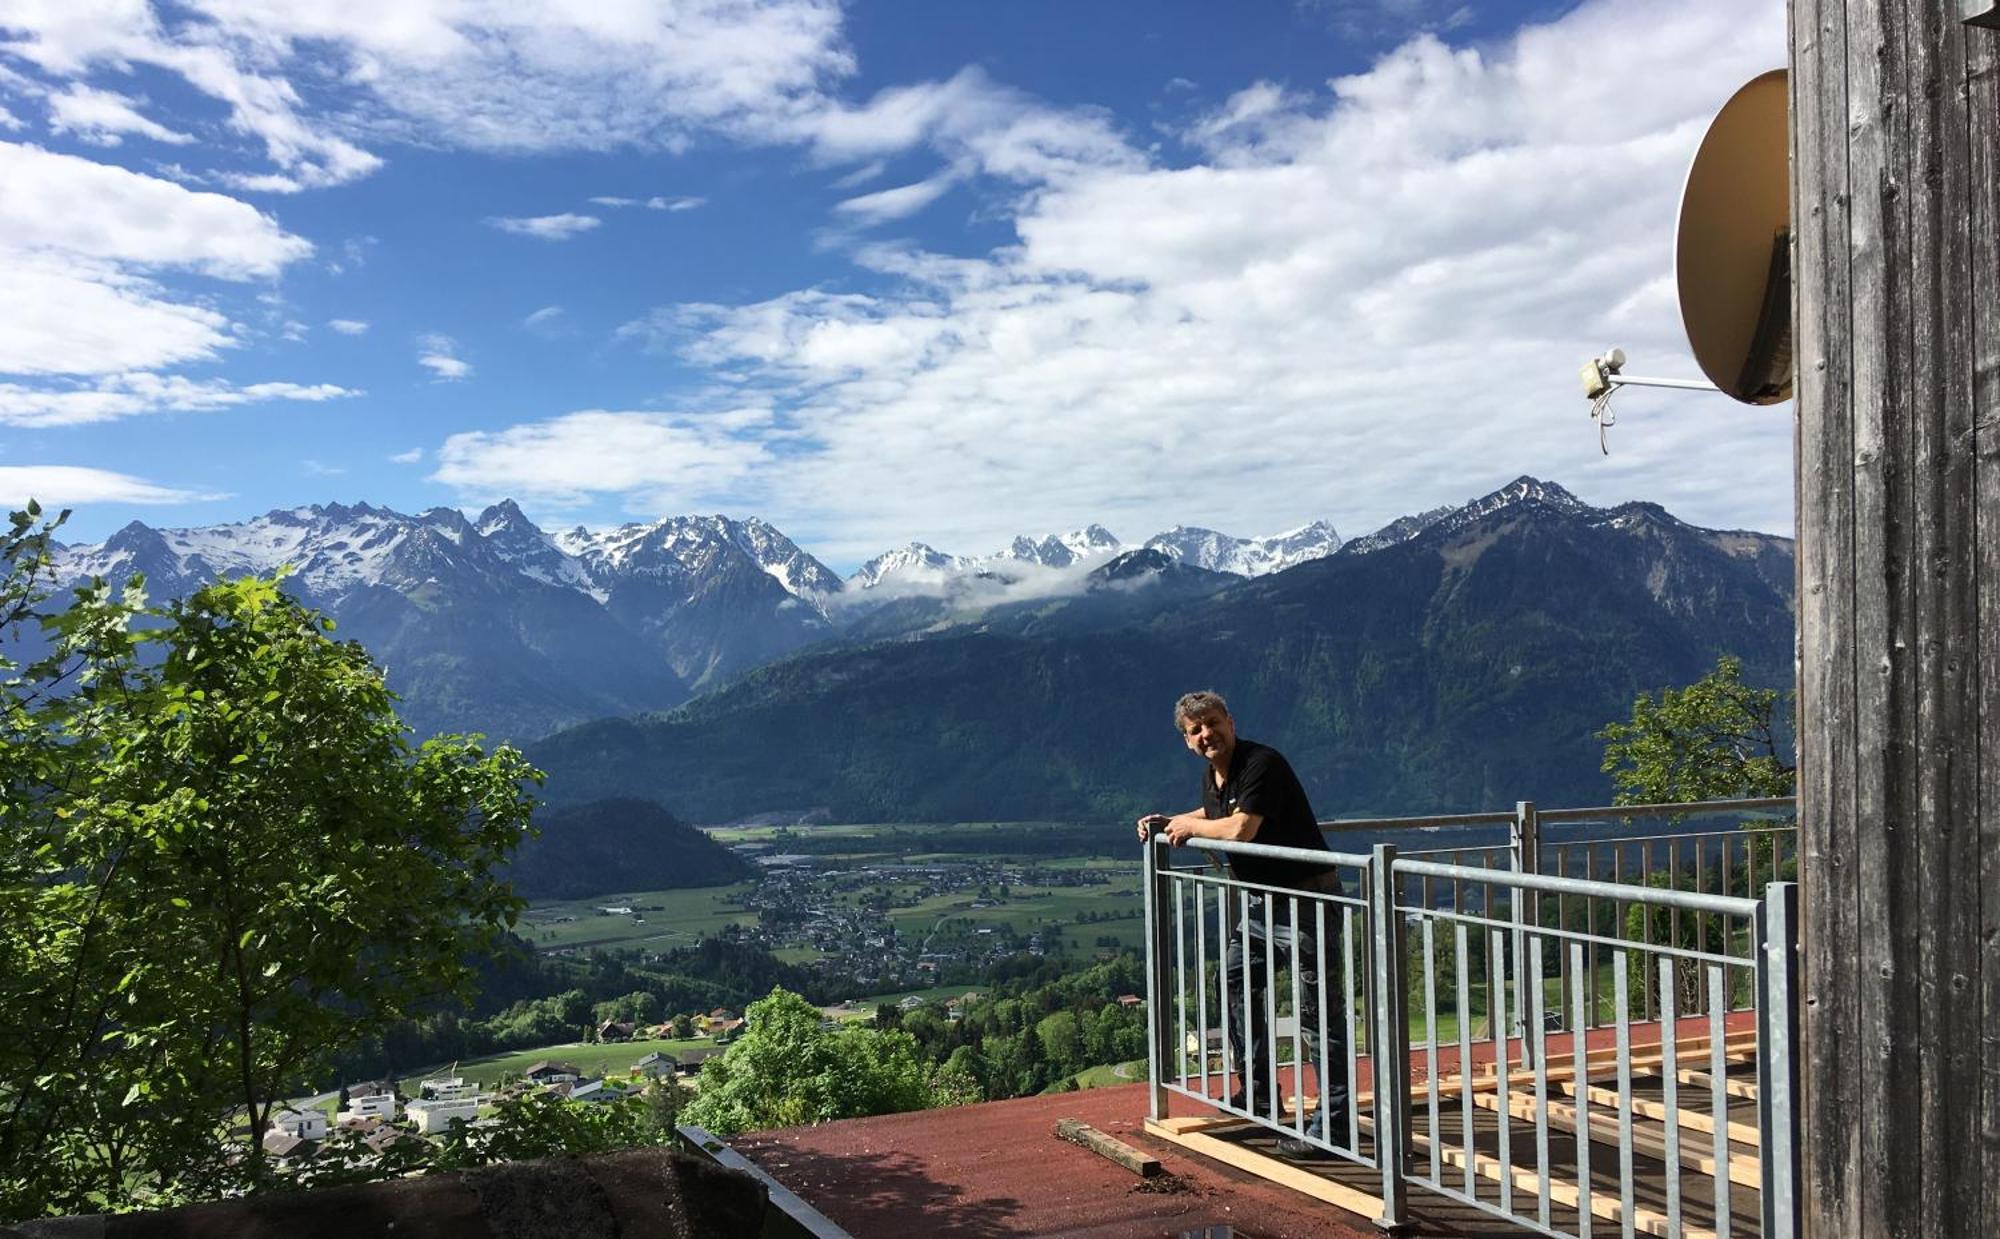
348,326
66,485
64,203
66,316
973,122
320,469
561,74
546,227
83,244
655,202
546,317
897,203
129,395
410,457
103,118
439,355
671,462
9,121
1362,302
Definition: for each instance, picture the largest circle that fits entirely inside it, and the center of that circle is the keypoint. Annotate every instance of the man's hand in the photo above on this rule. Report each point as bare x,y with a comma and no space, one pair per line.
1179,830
1150,823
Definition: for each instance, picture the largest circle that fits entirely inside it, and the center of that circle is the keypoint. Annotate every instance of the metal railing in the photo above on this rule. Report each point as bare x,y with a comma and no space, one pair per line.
1589,1055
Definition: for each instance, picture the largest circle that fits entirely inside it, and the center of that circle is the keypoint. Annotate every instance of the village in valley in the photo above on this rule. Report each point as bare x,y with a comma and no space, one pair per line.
847,902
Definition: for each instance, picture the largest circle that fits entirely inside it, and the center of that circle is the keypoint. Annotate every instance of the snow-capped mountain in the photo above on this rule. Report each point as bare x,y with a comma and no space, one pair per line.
1092,543
695,548
1522,491
916,565
497,626
1219,552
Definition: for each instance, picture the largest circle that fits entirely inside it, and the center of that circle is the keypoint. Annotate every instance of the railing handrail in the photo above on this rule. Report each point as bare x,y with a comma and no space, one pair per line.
1658,961
1502,817
1583,888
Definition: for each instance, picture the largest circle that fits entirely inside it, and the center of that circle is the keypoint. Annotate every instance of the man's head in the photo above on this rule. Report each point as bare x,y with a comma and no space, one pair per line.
1205,725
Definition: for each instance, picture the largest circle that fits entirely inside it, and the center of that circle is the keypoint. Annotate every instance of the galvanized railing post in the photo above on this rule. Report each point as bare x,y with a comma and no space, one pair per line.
1524,845
1775,939
1159,1053
1391,1048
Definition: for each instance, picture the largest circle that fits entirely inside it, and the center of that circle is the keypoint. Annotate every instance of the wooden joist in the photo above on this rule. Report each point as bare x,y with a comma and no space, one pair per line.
1645,1221
1745,1089
1697,1155
1741,1133
1737,1048
1110,1148
1298,1178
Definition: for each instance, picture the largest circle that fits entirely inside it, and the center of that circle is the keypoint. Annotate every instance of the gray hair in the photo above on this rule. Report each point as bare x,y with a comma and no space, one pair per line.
1198,705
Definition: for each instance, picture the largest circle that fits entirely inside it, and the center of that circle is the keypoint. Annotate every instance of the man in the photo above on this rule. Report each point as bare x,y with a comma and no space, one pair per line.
1250,795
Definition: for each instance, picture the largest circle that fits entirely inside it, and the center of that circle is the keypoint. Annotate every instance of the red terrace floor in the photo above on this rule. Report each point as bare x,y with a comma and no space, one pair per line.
997,1171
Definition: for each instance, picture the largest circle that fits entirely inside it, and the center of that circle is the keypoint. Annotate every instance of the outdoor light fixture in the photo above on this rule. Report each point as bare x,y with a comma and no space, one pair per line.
1732,259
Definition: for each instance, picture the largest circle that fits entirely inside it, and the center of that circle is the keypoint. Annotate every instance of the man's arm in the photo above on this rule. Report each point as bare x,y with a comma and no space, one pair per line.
1238,827
1151,822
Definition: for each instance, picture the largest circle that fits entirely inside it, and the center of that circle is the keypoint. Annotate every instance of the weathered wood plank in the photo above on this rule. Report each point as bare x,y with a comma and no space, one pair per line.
1896,121
1982,218
1948,722
1112,1149
1825,456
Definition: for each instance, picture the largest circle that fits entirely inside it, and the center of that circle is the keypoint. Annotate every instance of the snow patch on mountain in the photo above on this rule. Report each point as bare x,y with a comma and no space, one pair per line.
1250,557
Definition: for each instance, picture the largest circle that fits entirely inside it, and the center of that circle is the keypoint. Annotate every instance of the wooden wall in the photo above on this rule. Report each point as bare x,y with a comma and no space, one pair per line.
1896,158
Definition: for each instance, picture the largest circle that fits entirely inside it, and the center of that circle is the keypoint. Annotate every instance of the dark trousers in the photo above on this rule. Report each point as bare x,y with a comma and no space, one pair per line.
1301,948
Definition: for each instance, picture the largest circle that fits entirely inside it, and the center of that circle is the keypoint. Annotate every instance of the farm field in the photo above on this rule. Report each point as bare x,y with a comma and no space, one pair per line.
660,920
615,1058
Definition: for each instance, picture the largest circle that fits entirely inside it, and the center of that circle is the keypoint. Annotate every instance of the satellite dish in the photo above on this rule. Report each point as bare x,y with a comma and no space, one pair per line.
1732,251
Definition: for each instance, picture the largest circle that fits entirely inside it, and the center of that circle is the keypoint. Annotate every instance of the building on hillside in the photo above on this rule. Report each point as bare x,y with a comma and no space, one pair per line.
1130,1000
435,1115
447,1088
550,1072
595,1091
368,1105
615,1030
386,1137
288,1148
305,1124
654,1064
725,1030
690,1061
370,1088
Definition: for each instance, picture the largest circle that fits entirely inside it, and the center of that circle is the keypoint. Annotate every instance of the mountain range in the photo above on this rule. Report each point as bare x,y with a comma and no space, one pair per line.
495,625
1459,660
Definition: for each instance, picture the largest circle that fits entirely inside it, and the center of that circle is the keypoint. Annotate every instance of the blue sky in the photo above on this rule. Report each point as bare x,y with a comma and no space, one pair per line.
876,271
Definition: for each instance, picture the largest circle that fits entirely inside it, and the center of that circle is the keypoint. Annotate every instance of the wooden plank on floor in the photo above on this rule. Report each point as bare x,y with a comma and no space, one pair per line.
1743,1168
1745,1089
1110,1148
1740,1133
1645,1221
1299,1179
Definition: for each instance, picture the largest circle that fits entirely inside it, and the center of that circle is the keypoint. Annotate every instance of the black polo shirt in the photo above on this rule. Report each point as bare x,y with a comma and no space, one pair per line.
1261,781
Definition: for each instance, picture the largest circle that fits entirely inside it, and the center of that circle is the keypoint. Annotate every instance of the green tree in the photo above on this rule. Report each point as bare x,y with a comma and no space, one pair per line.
786,1070
1716,739
222,864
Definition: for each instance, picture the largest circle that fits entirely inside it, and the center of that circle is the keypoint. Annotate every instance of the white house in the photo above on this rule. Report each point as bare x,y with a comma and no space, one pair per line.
372,1106
594,1090
435,1115
448,1088
304,1124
